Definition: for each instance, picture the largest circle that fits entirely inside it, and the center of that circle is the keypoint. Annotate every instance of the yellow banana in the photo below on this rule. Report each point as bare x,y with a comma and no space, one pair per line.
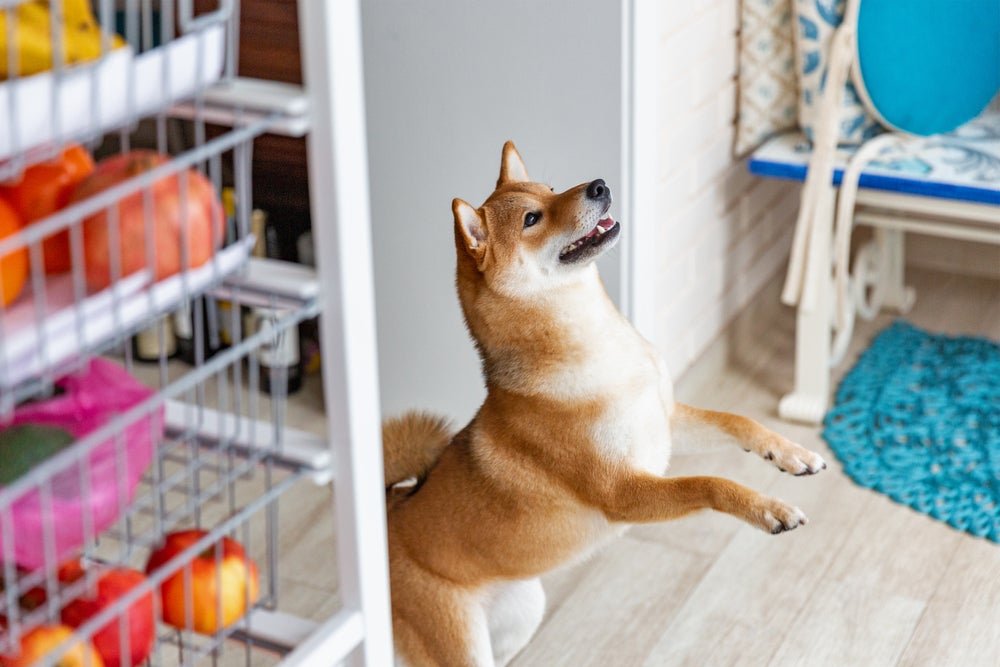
77,9
81,36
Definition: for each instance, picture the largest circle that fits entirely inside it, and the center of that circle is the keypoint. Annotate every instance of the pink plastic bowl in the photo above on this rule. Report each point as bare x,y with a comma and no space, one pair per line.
89,400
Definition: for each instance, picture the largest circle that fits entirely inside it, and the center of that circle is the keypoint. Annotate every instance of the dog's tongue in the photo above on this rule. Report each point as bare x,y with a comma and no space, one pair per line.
602,226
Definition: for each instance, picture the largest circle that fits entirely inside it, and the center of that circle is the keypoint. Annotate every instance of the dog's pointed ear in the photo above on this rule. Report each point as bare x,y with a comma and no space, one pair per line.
512,169
471,226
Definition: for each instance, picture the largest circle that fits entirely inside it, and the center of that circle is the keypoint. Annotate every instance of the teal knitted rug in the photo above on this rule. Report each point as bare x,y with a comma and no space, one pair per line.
918,419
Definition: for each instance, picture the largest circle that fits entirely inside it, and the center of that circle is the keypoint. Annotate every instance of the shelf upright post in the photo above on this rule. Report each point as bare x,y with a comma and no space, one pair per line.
341,224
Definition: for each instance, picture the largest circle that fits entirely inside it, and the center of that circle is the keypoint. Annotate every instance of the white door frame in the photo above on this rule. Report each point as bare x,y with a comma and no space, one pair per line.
640,155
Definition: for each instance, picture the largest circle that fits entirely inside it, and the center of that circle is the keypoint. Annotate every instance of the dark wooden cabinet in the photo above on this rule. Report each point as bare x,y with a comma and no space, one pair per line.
269,49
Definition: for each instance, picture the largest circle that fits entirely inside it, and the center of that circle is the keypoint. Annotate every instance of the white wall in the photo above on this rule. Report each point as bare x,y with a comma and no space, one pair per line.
721,232
447,82
953,256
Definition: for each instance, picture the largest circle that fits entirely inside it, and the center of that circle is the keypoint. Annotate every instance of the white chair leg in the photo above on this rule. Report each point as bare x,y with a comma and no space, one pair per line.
808,283
808,402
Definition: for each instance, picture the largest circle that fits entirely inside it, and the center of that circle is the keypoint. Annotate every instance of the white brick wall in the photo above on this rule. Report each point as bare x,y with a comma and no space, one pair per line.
722,233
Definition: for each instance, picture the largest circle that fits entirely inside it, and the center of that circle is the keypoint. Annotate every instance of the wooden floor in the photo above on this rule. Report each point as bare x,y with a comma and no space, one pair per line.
866,582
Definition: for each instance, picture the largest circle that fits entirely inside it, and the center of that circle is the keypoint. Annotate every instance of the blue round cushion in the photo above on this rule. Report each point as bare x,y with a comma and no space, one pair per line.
928,66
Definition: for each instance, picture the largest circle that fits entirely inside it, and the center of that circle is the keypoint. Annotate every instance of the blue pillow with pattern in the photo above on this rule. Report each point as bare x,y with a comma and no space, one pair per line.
816,21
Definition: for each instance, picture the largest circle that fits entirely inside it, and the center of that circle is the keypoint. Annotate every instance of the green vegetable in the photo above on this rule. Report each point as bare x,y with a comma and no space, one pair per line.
24,446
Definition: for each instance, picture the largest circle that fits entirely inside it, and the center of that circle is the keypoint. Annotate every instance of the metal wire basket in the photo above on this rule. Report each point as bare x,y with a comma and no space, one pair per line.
203,449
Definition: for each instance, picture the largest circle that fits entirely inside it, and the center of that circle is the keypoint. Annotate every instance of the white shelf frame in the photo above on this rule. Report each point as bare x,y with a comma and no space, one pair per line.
331,111
339,201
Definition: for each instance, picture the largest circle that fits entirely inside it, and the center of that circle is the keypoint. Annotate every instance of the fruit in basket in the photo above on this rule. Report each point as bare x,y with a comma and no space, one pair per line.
200,221
24,446
42,190
29,600
40,641
81,36
228,581
140,621
14,265
36,596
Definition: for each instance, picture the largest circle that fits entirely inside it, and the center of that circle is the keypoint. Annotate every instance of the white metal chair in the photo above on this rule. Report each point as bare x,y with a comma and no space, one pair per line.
820,282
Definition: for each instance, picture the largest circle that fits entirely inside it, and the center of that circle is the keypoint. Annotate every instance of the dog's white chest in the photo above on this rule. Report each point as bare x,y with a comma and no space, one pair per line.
636,425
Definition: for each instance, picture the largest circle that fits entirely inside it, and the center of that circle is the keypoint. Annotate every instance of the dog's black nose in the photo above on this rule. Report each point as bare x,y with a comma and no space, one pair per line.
598,190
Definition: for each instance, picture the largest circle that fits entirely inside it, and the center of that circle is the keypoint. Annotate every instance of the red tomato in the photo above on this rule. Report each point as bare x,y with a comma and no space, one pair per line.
37,643
201,222
231,583
13,266
141,620
44,189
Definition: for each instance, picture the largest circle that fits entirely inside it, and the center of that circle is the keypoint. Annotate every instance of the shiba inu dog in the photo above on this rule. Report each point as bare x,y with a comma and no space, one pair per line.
569,447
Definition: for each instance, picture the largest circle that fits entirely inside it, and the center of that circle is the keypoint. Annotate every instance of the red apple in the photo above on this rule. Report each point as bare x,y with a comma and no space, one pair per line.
140,621
229,583
35,597
201,221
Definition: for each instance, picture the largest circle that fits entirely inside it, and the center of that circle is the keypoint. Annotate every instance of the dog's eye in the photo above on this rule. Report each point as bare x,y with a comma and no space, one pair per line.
532,218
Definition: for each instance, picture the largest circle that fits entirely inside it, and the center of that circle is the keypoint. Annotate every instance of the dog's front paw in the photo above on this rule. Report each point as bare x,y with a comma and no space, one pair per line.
775,516
792,458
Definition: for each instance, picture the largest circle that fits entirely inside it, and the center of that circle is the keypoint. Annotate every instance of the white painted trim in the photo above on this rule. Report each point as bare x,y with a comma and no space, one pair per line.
625,278
640,155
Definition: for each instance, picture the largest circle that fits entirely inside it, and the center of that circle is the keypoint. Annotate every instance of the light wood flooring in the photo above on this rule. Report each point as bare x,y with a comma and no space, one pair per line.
866,582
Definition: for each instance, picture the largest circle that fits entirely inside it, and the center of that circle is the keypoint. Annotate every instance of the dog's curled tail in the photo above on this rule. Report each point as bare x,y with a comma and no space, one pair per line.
411,445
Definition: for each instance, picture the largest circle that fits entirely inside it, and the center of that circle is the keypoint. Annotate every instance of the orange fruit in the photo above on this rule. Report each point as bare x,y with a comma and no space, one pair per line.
37,643
45,188
13,266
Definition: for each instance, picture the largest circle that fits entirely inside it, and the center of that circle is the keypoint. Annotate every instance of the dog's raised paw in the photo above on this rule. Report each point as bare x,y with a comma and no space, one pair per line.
778,517
789,457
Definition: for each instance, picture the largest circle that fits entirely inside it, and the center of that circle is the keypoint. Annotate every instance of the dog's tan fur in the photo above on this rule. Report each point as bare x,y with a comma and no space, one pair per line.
570,445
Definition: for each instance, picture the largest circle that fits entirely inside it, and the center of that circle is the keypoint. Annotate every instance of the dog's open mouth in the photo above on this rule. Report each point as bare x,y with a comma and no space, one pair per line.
587,246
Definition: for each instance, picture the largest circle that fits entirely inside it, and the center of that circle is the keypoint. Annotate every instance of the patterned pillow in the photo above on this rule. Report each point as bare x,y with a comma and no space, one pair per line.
816,21
768,80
